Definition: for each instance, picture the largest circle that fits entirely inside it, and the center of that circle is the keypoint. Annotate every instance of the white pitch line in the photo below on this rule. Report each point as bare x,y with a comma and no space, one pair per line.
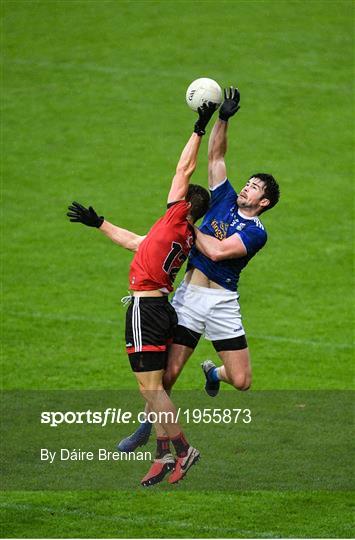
95,320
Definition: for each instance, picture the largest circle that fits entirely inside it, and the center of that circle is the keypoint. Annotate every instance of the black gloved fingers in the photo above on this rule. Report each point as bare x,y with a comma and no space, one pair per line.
75,209
73,214
211,106
236,95
204,115
231,93
201,110
206,107
79,206
228,92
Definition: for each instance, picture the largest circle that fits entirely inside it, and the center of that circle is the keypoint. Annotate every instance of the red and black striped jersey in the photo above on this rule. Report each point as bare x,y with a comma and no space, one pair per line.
163,251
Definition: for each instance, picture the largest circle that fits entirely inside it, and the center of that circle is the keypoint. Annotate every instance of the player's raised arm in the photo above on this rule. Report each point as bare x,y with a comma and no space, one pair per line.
217,144
188,159
87,216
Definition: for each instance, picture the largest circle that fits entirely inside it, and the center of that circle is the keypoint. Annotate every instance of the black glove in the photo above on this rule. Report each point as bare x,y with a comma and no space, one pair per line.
79,214
205,113
230,104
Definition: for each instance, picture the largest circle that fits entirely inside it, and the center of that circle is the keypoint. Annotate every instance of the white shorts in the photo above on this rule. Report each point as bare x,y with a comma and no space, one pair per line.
212,312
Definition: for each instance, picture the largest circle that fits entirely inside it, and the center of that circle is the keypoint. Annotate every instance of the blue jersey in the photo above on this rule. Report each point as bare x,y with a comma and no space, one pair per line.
222,220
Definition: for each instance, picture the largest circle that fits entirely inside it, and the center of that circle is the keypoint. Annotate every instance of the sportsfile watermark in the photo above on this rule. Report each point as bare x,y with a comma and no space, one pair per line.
113,415
261,440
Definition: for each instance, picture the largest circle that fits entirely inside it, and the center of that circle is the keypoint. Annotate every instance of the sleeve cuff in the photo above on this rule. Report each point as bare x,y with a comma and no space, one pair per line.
242,241
218,185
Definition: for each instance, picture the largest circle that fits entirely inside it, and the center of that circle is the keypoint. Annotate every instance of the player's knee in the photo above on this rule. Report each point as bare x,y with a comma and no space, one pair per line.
170,377
242,381
150,390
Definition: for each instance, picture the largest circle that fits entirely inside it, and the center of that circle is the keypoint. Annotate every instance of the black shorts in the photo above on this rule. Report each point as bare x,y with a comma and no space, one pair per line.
150,326
190,338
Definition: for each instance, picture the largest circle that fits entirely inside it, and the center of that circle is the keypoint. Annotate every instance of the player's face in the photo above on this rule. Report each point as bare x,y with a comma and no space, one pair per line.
252,194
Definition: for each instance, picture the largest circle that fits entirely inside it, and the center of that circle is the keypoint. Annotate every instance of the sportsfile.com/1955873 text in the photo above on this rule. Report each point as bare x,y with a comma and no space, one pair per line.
111,416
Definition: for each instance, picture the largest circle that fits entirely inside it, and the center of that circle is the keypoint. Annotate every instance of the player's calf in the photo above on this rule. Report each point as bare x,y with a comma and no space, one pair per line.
236,369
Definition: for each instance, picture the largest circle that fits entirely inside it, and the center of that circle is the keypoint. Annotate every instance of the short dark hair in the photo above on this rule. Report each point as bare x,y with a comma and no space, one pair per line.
199,198
271,189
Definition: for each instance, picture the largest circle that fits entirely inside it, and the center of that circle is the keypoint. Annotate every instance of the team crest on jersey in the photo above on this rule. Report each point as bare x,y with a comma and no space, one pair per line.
220,230
239,227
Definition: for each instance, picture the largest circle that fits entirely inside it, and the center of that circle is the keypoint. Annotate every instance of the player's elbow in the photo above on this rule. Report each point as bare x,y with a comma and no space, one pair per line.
185,169
131,246
220,253
215,156
215,255
210,251
218,257
134,243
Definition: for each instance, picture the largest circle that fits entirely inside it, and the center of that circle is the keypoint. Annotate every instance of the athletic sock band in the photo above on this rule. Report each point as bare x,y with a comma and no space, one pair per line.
214,375
180,444
162,447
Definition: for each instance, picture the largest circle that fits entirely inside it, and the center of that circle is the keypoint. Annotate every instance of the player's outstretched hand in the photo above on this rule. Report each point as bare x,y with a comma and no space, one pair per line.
79,214
230,104
204,116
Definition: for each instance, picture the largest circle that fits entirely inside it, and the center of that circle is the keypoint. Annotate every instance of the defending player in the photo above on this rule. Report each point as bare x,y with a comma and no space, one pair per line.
207,300
151,319
230,235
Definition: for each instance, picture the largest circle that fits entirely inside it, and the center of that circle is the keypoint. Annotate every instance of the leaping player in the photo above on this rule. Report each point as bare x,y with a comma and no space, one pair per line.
151,319
206,301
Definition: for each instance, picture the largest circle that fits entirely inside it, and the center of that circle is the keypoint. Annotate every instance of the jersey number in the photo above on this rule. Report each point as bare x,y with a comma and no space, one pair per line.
176,255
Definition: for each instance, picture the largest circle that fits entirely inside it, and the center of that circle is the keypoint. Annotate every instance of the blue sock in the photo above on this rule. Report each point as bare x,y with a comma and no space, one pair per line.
213,375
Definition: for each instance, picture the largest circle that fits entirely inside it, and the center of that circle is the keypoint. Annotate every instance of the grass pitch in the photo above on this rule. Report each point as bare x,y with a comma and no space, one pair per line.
93,110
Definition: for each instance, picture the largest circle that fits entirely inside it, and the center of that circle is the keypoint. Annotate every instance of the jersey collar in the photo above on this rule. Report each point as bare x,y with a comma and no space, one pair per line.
240,213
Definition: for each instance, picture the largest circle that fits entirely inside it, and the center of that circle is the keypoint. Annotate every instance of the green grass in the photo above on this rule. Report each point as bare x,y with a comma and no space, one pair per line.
93,109
168,515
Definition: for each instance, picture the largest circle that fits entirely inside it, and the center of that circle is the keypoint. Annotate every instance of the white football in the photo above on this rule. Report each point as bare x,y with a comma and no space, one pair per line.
201,91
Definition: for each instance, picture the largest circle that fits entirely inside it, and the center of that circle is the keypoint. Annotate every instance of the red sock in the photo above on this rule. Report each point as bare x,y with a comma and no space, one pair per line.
162,447
180,444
